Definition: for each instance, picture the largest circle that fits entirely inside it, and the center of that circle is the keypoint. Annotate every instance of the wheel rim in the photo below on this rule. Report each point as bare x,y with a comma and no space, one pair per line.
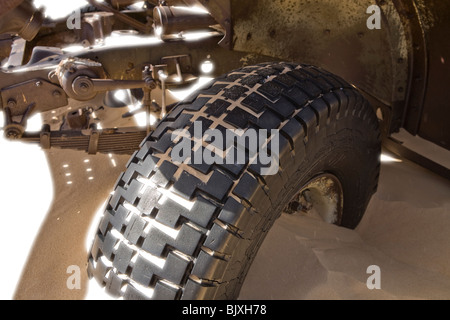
323,196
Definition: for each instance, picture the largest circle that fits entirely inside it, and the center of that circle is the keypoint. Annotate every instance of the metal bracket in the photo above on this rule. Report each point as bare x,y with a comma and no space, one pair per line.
18,97
93,141
122,17
177,70
221,11
45,136
14,129
17,53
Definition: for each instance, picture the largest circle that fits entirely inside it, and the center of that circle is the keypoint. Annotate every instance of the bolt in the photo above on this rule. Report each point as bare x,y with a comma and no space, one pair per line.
12,103
12,134
83,87
38,83
56,94
150,83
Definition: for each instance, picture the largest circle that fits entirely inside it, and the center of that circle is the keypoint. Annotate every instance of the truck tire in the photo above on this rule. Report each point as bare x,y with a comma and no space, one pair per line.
191,231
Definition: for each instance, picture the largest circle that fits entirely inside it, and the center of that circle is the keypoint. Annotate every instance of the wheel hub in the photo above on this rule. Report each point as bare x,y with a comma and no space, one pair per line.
323,196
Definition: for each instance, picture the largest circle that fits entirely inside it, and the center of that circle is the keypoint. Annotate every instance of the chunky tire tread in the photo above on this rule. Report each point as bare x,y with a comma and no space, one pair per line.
150,246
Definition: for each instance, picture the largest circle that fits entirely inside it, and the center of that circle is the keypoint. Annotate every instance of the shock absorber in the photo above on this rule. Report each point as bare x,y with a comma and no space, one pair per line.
173,20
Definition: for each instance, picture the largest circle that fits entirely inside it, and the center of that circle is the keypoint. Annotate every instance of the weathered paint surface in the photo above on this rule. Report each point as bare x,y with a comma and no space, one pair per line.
332,34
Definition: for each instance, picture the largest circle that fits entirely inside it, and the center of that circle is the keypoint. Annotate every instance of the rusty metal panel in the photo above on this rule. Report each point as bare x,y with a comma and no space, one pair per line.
332,34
